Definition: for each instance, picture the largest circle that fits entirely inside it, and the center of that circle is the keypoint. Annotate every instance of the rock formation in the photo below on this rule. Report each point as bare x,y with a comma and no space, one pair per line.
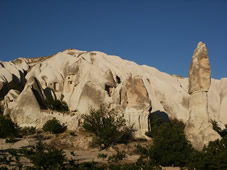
12,76
89,79
198,128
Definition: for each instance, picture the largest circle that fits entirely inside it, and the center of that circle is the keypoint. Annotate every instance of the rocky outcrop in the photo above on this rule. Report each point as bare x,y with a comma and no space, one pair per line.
198,128
199,73
12,76
89,79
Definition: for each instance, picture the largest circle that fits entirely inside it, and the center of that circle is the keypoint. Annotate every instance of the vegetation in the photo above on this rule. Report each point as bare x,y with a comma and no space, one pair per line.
221,132
102,156
1,109
25,131
215,126
114,158
41,156
57,105
44,157
119,156
107,126
170,147
7,127
53,126
212,157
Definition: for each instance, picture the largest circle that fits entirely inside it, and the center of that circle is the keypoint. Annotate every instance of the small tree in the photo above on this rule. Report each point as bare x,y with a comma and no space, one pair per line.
213,156
45,157
53,126
215,126
107,126
222,133
7,127
170,147
118,157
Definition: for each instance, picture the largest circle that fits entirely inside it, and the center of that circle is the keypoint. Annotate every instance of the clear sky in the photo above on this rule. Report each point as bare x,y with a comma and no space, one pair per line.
158,33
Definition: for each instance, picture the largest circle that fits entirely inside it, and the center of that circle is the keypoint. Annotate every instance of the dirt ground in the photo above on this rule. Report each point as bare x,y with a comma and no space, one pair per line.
77,147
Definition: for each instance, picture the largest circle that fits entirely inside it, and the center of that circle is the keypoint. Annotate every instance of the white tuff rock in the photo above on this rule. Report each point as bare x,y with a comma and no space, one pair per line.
89,79
198,128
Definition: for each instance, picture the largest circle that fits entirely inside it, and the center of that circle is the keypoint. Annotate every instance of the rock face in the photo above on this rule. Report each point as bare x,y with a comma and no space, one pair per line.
12,76
198,128
89,79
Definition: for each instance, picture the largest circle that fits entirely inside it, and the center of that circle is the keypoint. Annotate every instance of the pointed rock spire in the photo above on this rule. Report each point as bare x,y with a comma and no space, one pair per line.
198,130
199,73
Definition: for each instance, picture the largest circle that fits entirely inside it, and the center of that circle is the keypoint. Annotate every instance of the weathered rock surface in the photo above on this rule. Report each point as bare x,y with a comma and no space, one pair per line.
12,76
88,79
198,128
199,73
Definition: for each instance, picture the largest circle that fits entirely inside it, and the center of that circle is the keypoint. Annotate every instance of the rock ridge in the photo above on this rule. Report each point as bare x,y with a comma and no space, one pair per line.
89,79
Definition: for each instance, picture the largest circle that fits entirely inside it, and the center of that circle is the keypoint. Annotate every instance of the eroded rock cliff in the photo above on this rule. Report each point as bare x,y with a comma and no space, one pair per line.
89,79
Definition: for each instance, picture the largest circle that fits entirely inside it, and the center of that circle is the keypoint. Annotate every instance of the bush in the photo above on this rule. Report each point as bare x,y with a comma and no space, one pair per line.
102,156
53,126
57,105
7,127
44,157
25,131
119,156
1,109
108,127
40,156
215,126
222,133
170,147
213,156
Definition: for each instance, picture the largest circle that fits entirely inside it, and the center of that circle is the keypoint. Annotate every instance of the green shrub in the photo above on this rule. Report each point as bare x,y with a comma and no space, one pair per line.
1,109
25,131
222,133
215,126
53,126
212,157
45,157
119,156
170,147
57,105
107,126
7,127
102,156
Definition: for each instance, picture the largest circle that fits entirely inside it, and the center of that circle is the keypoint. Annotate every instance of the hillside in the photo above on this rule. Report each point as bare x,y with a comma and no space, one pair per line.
89,79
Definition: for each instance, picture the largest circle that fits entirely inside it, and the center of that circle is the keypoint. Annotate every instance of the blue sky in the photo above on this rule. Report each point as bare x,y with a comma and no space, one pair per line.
158,33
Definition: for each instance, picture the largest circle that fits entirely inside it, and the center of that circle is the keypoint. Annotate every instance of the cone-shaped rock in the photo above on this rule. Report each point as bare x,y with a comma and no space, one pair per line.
198,129
199,73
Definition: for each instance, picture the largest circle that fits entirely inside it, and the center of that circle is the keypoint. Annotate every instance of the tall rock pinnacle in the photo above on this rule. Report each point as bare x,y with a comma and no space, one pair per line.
199,73
198,129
